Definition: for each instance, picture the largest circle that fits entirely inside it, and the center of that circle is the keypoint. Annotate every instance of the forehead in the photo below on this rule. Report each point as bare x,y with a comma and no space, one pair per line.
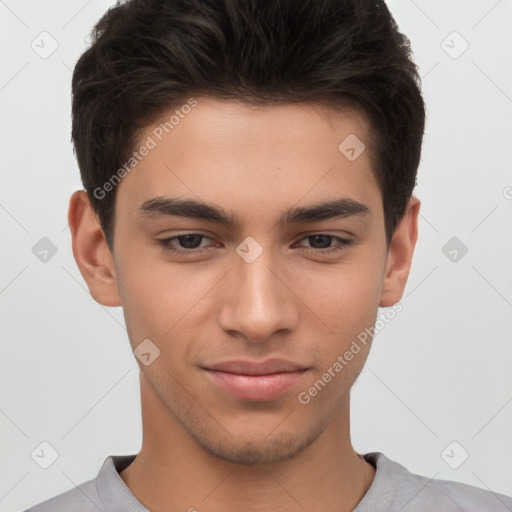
253,158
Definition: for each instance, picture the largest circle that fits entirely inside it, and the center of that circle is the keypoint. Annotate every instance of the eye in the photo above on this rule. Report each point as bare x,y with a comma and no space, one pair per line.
189,243
323,240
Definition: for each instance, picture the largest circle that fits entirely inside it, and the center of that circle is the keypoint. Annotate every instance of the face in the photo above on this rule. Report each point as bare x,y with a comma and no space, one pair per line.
252,301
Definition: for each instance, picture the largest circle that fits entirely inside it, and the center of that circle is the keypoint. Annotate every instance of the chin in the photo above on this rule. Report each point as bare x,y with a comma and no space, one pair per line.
260,451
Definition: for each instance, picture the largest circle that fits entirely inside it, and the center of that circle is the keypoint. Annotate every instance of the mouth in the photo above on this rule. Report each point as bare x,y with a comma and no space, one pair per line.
255,381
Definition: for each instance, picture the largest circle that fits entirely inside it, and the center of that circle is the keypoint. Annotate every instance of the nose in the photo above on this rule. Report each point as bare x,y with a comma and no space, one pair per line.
258,300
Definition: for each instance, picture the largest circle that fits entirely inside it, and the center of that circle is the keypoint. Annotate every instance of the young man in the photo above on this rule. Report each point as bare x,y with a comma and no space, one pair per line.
248,169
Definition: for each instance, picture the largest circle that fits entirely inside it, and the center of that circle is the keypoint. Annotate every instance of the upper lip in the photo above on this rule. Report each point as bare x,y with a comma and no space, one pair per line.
266,367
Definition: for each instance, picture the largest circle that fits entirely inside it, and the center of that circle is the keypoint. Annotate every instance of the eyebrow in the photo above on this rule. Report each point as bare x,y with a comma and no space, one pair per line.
193,209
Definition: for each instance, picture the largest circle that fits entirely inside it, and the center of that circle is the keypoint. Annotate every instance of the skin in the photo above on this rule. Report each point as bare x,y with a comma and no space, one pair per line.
203,448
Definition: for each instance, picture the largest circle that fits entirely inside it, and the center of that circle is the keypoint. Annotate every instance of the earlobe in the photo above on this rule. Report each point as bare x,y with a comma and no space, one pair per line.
91,251
398,262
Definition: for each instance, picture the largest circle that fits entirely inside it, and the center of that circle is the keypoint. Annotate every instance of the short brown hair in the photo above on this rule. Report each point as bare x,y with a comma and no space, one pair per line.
148,56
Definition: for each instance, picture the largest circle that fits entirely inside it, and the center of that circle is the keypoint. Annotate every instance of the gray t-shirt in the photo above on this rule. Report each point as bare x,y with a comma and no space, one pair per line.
393,489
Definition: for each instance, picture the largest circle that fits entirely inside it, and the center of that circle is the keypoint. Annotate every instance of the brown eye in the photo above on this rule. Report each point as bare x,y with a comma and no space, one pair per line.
322,243
189,243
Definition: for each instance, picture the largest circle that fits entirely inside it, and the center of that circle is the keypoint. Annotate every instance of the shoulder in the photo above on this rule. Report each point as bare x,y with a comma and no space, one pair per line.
398,488
83,498
105,492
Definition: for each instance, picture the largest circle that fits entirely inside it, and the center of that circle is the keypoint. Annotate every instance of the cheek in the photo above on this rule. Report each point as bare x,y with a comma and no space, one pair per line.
161,300
348,306
347,297
146,294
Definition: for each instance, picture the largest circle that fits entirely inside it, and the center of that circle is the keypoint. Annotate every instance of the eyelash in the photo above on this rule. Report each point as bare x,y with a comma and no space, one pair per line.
166,243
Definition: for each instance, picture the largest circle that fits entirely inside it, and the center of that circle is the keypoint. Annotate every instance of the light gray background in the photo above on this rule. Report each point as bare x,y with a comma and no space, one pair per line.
438,373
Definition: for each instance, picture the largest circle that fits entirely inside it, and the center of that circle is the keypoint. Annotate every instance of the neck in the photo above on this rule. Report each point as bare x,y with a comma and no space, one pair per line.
171,472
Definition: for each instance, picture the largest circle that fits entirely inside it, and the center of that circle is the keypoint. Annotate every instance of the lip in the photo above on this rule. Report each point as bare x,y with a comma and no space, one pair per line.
255,380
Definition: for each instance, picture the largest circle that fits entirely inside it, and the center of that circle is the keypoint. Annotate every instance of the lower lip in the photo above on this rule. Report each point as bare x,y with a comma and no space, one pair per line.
255,387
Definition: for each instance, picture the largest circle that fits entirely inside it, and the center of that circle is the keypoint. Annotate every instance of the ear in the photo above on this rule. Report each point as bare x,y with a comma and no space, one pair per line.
401,249
91,251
